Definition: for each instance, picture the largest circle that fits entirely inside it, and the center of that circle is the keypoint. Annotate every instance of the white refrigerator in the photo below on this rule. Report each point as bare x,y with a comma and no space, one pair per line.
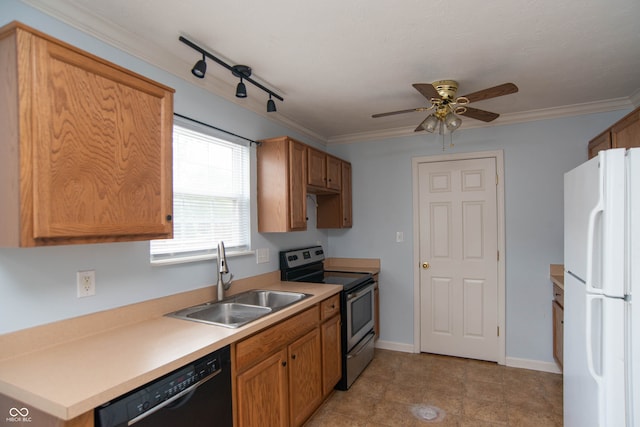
602,276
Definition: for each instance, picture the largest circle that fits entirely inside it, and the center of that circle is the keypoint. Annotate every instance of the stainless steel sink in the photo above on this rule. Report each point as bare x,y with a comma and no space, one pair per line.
240,309
272,299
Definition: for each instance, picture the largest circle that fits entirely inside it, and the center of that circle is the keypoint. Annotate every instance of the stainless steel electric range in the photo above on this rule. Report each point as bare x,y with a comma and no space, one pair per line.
356,305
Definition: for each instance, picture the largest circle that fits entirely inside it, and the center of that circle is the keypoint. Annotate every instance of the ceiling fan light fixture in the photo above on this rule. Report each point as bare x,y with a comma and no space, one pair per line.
452,121
200,69
430,123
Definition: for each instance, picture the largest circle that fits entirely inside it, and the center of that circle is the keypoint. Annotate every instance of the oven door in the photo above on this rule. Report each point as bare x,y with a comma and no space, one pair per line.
360,319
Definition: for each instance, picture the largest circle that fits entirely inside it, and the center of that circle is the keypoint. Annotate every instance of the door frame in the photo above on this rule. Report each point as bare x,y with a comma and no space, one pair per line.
498,155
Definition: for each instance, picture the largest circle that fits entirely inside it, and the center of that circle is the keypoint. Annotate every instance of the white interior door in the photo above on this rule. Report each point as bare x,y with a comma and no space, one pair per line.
458,246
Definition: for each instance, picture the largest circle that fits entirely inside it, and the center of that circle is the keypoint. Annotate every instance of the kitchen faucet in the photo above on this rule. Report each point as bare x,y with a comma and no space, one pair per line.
222,270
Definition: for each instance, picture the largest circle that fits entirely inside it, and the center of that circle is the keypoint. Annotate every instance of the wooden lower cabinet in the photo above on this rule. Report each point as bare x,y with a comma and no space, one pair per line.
262,393
558,323
305,377
558,332
331,354
283,373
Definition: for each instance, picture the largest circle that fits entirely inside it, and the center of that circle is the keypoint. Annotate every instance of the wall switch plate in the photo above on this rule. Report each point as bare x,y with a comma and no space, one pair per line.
262,255
86,282
399,236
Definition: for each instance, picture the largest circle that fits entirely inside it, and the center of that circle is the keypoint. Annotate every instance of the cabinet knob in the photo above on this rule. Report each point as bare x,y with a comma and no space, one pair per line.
293,356
169,217
284,363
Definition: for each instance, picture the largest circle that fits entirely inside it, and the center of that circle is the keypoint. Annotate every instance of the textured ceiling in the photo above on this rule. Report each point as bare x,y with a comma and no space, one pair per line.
337,62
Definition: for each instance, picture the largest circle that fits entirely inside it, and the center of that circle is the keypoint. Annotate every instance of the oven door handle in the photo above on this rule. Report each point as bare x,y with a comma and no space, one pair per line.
357,294
365,341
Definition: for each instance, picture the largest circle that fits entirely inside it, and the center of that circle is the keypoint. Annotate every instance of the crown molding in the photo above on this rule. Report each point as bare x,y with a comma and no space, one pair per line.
504,119
122,39
108,32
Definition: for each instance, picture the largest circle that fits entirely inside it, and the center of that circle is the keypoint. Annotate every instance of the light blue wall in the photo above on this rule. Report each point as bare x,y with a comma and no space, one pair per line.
37,285
536,155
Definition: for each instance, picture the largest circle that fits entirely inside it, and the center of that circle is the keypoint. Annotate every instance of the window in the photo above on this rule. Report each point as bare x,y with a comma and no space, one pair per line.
210,198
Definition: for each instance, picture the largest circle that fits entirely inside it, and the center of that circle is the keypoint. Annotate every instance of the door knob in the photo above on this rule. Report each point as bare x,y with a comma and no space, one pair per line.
425,265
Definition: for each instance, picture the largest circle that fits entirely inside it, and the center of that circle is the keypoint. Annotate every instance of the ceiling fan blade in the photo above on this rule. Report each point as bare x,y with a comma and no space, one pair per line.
492,92
399,112
485,116
427,90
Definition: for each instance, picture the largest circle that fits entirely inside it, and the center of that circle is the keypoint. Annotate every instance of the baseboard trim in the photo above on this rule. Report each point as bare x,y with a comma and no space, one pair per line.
513,362
536,365
395,346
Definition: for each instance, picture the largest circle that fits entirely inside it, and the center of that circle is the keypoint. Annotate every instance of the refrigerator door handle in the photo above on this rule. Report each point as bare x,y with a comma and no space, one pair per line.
589,341
591,230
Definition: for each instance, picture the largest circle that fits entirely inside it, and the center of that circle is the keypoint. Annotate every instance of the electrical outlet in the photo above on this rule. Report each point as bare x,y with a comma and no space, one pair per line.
262,255
86,281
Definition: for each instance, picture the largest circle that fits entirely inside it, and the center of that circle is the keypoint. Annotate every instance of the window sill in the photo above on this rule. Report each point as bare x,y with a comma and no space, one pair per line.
197,258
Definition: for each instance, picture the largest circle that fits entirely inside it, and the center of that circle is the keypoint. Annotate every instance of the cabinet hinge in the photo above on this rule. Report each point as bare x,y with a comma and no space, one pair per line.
498,330
496,179
498,256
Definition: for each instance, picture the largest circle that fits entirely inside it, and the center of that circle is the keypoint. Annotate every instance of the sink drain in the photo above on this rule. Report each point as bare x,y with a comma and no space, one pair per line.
428,413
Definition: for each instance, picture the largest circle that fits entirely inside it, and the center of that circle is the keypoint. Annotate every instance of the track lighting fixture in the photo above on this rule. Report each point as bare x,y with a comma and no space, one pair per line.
241,71
200,68
271,105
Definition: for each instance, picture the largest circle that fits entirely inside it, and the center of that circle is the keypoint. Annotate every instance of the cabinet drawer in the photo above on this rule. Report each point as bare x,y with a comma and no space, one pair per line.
330,307
558,295
256,347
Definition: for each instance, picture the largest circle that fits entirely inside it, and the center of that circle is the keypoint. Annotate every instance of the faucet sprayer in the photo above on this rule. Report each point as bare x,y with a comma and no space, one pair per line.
222,270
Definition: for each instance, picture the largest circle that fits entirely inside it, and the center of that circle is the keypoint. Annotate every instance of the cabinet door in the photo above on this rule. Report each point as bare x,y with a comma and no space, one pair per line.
626,132
101,148
317,168
331,355
558,332
334,173
305,378
345,196
262,393
297,187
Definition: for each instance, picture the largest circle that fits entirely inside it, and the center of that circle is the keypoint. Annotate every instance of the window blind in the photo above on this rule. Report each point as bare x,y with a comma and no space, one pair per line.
210,197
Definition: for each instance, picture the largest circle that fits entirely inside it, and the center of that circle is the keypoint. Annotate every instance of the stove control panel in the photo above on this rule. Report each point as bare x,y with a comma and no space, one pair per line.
301,257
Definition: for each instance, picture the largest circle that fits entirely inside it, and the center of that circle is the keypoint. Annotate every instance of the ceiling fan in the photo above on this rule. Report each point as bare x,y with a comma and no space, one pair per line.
447,107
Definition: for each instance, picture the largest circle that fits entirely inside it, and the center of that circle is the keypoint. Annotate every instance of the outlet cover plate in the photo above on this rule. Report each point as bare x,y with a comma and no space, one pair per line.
86,283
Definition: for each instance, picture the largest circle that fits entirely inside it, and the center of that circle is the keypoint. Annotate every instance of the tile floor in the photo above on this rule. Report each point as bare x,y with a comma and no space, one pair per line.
468,392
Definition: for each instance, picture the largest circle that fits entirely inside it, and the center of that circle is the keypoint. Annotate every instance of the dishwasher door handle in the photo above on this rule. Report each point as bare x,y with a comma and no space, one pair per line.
173,399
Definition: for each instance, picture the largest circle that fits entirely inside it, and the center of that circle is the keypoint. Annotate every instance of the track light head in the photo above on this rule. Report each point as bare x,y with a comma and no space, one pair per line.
271,105
241,90
200,69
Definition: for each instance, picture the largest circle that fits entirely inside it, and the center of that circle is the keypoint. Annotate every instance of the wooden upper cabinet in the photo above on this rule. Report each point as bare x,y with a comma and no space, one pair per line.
626,132
335,210
287,171
323,172
316,168
599,143
334,173
86,147
282,190
346,196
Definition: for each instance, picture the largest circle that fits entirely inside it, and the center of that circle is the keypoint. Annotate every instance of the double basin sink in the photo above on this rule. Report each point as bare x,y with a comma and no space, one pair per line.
240,309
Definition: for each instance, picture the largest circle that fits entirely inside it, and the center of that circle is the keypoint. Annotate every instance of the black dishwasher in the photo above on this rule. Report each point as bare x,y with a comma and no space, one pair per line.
196,395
